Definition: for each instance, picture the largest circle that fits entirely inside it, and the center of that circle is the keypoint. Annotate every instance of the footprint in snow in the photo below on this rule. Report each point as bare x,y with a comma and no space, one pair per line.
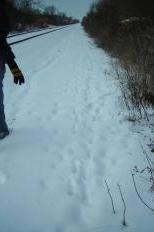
53,113
3,178
42,184
55,109
70,187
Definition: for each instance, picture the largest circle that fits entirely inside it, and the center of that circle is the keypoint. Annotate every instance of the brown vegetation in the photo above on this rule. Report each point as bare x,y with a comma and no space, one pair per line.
125,29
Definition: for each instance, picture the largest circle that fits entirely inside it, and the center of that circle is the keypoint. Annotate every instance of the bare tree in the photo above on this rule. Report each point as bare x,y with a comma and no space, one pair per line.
50,10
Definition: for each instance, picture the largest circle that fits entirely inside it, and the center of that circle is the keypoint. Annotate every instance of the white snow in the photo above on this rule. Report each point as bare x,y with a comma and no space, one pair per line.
34,33
69,136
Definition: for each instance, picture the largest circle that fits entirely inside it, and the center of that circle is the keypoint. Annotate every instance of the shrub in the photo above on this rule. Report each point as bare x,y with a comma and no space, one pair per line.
125,29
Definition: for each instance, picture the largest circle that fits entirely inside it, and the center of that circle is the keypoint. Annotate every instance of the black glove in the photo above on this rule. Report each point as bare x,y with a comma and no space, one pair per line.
18,76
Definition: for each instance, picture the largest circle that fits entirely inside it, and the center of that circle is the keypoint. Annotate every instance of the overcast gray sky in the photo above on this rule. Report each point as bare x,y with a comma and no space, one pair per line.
75,8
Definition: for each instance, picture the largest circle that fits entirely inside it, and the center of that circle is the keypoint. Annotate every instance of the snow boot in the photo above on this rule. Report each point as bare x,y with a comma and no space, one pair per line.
3,134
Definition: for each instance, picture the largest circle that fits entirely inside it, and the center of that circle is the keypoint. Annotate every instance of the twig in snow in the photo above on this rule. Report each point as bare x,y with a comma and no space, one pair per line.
109,193
124,212
139,196
151,164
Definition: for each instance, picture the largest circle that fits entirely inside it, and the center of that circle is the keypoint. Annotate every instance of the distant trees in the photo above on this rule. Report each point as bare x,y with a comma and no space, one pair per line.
58,18
50,10
25,13
107,13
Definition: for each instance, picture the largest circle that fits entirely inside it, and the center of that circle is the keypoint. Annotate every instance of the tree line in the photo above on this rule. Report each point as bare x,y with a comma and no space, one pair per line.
105,16
125,30
27,13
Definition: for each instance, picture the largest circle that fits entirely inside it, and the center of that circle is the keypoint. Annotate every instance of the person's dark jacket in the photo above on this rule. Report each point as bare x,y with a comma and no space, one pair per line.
5,51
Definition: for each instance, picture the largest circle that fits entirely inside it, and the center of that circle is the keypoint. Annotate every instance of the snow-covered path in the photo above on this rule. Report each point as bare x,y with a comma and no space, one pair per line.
68,138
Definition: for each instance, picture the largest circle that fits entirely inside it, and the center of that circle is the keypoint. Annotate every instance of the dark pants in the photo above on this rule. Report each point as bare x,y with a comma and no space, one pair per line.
3,125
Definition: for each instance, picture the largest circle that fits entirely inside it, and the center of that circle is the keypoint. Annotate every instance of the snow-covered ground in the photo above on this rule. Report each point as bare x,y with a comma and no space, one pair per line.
28,30
34,33
69,136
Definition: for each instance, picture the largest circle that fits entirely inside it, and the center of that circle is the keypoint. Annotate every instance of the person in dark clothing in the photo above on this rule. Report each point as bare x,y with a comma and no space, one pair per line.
6,57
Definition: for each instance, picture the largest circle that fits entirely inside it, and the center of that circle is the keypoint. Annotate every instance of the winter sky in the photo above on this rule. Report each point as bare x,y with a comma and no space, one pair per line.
75,8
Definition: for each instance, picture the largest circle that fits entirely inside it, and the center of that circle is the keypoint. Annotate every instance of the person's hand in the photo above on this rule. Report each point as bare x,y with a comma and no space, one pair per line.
18,76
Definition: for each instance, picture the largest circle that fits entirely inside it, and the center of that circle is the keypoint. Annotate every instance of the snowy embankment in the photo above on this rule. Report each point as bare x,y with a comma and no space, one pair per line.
28,31
22,36
68,138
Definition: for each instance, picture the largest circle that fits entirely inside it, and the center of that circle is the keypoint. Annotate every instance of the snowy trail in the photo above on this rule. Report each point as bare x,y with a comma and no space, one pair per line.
68,138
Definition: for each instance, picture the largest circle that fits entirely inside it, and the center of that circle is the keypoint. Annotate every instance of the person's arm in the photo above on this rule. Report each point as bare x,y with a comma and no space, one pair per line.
10,61
5,50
